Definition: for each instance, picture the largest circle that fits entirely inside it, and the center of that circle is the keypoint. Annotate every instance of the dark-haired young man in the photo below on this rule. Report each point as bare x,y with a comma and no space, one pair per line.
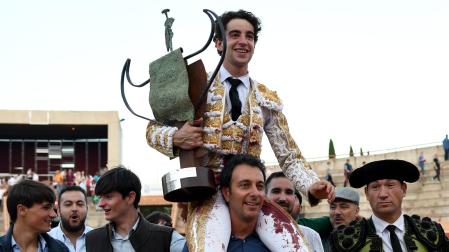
119,190
30,207
239,110
72,206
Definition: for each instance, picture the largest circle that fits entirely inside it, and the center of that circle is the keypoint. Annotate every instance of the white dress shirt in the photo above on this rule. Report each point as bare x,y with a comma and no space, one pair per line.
58,234
242,89
312,238
384,234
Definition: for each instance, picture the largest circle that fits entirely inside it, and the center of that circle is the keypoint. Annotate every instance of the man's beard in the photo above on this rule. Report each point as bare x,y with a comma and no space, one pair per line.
72,229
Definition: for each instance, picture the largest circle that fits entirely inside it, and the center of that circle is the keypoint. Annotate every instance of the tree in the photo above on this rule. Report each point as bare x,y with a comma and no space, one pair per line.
361,152
351,152
331,150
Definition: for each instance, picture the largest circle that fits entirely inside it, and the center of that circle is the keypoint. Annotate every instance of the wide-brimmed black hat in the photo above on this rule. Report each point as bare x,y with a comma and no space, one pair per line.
384,169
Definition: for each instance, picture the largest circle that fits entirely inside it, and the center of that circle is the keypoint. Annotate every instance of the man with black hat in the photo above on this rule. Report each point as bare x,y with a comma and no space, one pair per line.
388,229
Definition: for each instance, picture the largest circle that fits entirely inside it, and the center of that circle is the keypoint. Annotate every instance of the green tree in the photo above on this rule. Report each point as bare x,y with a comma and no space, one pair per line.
351,152
331,150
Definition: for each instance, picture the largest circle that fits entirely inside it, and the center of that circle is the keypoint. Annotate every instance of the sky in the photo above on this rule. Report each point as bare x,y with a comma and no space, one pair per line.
371,74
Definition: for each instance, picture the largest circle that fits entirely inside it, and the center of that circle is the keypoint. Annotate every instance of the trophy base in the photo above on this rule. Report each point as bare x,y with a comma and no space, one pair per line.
188,184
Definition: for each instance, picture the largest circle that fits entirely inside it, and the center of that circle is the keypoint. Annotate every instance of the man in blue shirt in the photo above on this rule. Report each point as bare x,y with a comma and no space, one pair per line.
72,206
30,207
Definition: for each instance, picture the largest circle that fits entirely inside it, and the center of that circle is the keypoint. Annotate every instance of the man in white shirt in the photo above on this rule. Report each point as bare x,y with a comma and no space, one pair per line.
282,191
389,229
72,207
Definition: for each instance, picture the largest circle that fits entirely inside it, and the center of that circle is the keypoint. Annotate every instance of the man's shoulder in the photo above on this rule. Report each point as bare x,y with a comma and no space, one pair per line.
267,98
2,240
354,237
54,244
98,232
429,232
310,233
54,231
155,227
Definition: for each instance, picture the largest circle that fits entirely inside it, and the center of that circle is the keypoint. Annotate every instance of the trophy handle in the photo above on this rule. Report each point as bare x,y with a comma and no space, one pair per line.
214,18
125,71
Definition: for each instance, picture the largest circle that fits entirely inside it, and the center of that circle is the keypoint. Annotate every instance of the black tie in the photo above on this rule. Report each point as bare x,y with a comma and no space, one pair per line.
394,239
236,109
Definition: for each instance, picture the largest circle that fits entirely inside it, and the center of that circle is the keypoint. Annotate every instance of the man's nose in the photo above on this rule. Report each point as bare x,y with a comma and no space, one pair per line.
53,213
337,211
383,192
101,203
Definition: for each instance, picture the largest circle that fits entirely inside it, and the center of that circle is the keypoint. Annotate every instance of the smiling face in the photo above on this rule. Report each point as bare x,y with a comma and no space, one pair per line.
240,45
115,206
281,191
37,217
73,211
385,197
245,195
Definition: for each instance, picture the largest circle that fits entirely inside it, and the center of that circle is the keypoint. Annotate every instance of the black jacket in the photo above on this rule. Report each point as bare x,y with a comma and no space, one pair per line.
147,237
53,244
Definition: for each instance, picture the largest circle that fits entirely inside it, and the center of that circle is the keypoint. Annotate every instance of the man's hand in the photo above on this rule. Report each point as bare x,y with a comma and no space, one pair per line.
189,136
322,190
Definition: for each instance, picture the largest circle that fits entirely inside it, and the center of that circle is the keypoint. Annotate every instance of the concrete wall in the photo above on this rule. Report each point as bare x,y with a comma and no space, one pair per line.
410,155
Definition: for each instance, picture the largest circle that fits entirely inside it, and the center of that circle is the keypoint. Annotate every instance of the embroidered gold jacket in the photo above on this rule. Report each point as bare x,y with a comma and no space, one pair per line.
222,136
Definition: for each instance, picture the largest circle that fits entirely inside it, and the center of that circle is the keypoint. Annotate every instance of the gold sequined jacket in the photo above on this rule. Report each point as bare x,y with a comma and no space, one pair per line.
222,136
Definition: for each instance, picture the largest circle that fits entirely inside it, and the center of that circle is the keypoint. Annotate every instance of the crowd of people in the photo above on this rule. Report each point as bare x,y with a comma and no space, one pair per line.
246,191
249,212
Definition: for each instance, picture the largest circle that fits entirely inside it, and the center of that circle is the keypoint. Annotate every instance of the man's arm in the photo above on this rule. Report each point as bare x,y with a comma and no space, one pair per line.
166,139
292,162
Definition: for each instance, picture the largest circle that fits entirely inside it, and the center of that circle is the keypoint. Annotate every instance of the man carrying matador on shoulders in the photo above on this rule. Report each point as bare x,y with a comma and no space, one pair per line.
239,110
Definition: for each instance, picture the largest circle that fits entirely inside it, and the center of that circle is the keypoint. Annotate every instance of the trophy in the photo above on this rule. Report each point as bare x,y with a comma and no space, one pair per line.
178,93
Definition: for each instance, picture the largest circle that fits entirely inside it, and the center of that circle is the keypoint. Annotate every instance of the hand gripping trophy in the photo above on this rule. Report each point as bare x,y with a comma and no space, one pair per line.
178,93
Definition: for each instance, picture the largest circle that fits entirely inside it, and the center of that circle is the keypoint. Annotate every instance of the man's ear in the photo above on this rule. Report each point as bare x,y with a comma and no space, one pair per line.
404,188
131,197
219,45
225,193
21,210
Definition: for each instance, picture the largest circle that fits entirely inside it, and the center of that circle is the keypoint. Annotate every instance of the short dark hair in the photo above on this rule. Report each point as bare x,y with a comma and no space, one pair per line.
240,14
71,189
228,169
28,193
273,175
119,179
155,216
280,174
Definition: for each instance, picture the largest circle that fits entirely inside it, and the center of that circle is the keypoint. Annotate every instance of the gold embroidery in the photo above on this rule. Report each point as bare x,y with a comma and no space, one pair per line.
233,131
269,95
211,138
226,118
257,120
216,106
254,150
212,122
217,91
244,119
